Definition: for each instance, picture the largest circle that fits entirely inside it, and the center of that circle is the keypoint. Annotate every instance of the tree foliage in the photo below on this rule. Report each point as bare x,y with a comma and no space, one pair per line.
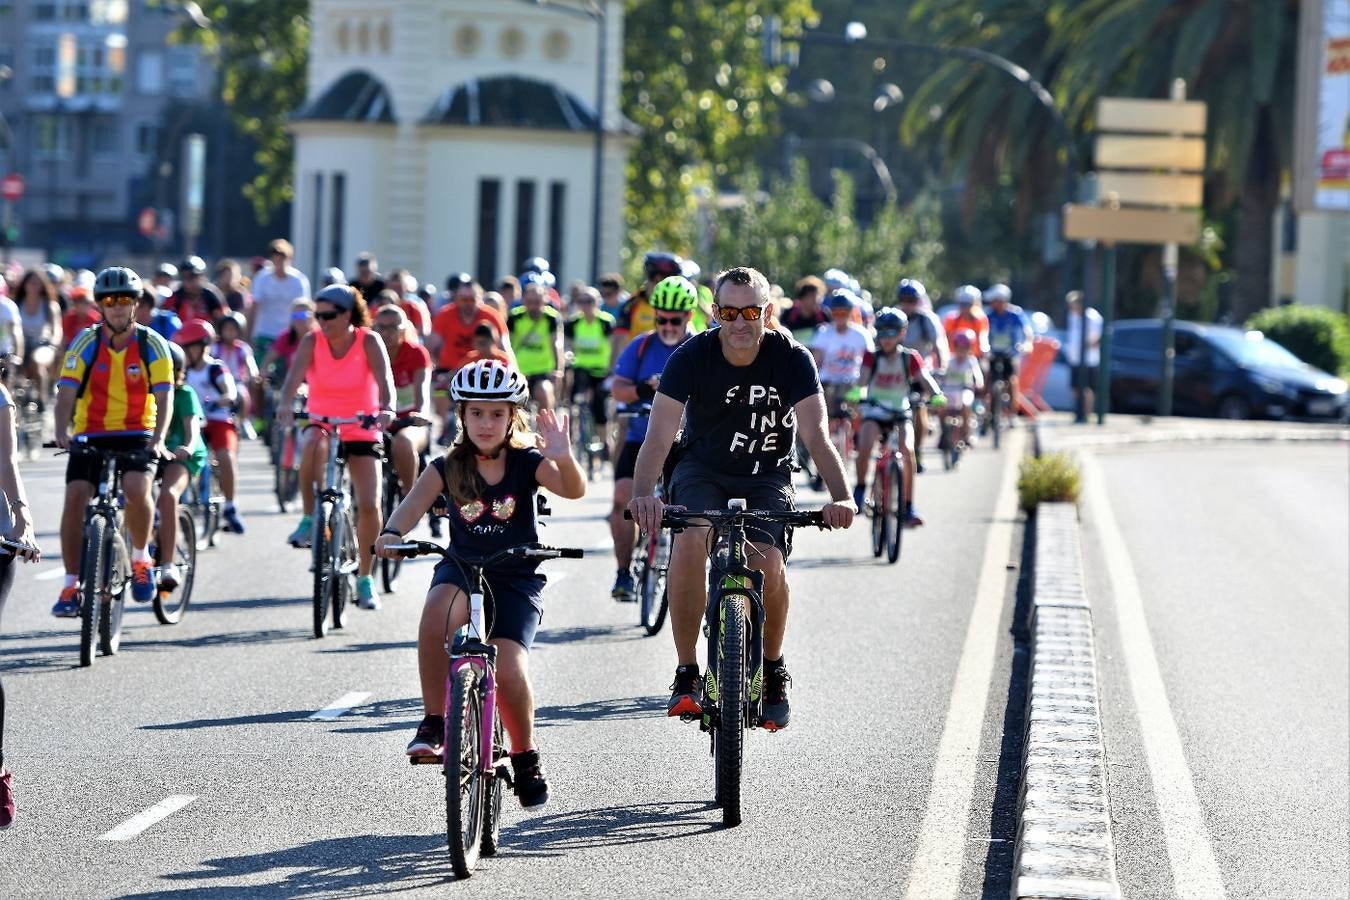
262,49
696,84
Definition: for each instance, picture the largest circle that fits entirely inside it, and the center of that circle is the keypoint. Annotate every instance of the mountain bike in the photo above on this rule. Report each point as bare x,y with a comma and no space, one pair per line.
651,563
392,493
474,761
105,558
733,699
333,540
588,441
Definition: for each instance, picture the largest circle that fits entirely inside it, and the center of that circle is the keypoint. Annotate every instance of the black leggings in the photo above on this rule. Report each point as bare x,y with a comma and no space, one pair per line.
8,564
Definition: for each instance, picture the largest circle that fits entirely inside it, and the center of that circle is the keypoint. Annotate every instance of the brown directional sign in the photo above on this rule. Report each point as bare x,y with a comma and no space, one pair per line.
1128,151
1131,225
1148,189
1151,116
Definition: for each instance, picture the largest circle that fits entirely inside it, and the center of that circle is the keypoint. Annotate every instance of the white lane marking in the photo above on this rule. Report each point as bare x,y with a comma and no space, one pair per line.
942,838
143,820
341,705
51,574
1195,873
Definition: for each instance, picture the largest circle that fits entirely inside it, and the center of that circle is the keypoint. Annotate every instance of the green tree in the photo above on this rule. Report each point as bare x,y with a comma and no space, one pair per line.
262,49
696,84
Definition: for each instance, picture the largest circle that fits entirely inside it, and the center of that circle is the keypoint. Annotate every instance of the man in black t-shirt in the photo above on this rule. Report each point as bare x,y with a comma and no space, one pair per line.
745,390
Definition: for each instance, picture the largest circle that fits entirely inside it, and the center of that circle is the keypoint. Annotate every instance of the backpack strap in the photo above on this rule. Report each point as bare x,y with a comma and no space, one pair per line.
142,346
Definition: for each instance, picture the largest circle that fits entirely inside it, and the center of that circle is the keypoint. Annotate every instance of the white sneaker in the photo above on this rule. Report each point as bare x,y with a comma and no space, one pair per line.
170,577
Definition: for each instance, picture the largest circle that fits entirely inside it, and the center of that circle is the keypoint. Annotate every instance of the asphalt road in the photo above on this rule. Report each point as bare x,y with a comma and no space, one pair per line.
1240,556
217,709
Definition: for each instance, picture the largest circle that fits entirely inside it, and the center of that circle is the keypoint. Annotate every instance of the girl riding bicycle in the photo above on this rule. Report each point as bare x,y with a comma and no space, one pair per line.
491,475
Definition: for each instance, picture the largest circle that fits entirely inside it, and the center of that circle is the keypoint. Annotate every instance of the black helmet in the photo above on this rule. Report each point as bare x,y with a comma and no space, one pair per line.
117,281
536,264
660,264
193,265
457,281
179,358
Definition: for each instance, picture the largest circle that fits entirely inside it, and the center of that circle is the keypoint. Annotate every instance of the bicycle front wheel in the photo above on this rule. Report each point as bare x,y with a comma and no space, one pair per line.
390,568
324,576
654,585
895,509
878,511
729,741
345,564
117,578
463,767
91,581
169,607
996,413
492,792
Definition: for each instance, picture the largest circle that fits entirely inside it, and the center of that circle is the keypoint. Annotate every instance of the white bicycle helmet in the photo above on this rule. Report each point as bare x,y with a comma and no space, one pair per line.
489,380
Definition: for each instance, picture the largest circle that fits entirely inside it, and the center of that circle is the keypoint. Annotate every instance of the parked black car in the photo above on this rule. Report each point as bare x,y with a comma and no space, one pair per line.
1219,371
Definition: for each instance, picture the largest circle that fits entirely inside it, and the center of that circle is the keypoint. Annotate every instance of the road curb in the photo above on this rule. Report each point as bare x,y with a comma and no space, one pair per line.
1054,438
1063,847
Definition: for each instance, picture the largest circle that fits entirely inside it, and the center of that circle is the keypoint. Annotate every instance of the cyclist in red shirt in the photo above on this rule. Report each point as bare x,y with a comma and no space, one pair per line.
411,365
451,339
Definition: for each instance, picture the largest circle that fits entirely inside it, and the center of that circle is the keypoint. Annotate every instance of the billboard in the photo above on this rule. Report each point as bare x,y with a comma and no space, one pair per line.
1322,176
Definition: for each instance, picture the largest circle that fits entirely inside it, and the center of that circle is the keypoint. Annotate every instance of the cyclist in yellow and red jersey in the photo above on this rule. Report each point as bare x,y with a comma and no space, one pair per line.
116,393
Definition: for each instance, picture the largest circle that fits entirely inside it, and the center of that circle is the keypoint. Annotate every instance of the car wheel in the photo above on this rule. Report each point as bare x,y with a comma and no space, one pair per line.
1234,407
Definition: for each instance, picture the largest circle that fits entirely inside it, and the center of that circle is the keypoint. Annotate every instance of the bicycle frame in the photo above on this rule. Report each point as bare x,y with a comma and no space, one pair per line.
730,573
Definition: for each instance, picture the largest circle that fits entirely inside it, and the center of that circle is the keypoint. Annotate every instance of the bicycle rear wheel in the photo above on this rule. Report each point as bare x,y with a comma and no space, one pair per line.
895,509
169,607
492,792
654,601
729,740
92,573
390,568
464,787
118,578
324,576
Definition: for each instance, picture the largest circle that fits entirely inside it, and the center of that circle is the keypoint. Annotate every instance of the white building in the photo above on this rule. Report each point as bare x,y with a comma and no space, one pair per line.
458,135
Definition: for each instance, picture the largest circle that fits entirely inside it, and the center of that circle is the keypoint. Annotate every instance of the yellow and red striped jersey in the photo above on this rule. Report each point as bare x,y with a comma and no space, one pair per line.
119,386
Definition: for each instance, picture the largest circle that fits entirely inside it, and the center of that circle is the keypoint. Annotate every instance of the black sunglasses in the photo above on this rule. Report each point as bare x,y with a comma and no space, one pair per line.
670,320
330,315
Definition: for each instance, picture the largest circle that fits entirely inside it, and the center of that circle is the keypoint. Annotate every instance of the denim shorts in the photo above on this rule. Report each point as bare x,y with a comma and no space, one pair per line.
516,604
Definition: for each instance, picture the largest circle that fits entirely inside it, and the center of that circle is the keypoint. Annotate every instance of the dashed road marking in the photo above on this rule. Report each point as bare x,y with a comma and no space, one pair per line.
50,574
143,820
1195,873
942,839
341,705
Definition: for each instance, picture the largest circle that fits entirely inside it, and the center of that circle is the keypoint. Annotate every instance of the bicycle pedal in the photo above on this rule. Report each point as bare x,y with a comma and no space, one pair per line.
690,717
424,760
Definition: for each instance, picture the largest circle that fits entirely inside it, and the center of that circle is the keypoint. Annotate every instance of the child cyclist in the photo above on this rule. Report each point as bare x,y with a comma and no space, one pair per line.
184,441
491,474
963,379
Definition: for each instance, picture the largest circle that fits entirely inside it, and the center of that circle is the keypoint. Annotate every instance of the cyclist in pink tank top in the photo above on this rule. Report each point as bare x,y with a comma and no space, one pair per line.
347,370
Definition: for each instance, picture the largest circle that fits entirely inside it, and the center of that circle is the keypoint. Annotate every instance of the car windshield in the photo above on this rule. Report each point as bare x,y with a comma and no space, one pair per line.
1254,349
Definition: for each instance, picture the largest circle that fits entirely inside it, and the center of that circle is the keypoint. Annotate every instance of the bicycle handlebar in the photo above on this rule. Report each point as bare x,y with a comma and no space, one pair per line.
410,549
679,517
365,421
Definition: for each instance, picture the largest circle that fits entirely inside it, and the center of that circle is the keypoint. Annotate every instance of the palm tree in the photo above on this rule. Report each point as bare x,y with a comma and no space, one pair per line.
1236,55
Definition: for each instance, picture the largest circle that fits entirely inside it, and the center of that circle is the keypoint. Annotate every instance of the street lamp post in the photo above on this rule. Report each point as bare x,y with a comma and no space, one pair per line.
855,35
596,14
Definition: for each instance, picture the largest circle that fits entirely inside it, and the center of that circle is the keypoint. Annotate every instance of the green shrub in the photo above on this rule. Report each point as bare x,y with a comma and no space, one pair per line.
1053,478
1315,334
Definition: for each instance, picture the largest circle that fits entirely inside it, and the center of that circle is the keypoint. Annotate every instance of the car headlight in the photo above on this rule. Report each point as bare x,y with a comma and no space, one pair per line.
1332,386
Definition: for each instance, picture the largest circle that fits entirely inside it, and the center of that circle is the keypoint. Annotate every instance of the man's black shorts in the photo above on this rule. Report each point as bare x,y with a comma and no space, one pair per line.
698,487
627,462
83,466
1091,373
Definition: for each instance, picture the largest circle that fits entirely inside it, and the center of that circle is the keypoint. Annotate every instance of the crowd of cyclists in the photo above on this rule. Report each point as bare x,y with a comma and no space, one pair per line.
694,389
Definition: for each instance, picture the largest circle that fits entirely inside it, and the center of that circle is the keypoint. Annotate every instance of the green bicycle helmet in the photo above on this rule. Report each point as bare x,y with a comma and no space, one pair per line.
675,293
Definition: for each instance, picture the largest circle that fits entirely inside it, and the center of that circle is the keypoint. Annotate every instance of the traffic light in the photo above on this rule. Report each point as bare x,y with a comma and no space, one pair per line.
10,234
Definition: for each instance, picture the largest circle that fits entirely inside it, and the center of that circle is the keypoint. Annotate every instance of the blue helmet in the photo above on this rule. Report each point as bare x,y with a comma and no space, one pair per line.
891,320
911,287
842,298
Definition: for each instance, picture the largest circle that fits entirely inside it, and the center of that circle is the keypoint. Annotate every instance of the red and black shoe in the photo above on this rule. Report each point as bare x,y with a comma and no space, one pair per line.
685,692
777,710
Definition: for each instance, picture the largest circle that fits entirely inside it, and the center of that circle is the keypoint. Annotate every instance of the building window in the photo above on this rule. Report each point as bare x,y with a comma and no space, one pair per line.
336,224
108,12
524,219
182,71
44,66
106,137
44,12
318,221
52,136
150,73
489,200
557,215
147,139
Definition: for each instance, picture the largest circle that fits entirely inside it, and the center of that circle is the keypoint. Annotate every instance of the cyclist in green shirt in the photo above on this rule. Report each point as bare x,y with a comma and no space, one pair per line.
537,339
184,441
588,334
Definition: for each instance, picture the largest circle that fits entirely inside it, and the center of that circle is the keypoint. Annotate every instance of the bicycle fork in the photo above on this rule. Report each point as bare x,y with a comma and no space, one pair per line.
751,588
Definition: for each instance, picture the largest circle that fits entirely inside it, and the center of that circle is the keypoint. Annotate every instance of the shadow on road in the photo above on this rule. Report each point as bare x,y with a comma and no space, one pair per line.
602,634
610,826
601,710
338,867
251,602
403,713
371,647
830,562
230,638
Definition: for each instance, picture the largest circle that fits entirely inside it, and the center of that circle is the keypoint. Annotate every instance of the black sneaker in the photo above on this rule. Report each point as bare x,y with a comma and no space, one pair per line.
685,692
777,710
530,784
429,737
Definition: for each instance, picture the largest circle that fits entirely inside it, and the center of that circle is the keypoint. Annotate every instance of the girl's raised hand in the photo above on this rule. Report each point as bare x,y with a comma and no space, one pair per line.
555,441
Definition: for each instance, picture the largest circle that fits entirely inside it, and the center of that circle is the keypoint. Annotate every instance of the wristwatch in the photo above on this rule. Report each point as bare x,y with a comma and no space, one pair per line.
394,531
